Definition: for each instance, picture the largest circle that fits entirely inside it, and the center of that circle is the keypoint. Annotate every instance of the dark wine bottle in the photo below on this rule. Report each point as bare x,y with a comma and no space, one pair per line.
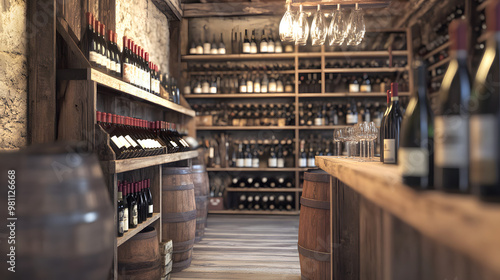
485,118
392,126
126,220
246,43
132,207
415,152
149,199
382,126
120,214
452,120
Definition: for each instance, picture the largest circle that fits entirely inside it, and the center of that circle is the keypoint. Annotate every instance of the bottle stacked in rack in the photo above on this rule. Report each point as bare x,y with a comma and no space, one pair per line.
270,202
130,137
324,114
311,83
357,63
274,153
262,182
314,147
223,114
245,83
243,67
135,204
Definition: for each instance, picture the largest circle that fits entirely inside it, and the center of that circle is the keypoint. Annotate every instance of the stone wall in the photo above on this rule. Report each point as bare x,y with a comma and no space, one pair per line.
13,74
143,22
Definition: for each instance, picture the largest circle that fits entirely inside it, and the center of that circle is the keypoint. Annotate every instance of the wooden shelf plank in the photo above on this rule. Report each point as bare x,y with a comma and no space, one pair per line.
461,222
263,189
439,63
246,127
437,50
237,169
485,36
366,70
231,72
341,54
309,70
252,212
482,6
124,165
106,80
226,57
348,94
437,78
240,95
132,232
323,127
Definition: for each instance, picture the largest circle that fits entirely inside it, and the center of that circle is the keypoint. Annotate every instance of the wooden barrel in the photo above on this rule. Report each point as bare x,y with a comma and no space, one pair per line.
314,226
201,189
65,225
139,257
179,214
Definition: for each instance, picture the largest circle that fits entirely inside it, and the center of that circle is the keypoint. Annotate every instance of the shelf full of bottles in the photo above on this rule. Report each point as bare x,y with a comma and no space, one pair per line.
251,104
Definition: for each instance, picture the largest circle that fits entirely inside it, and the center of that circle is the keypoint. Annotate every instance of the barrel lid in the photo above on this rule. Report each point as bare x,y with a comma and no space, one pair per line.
317,175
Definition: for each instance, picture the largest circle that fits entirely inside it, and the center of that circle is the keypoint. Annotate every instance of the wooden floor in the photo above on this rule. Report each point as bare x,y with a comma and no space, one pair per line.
246,247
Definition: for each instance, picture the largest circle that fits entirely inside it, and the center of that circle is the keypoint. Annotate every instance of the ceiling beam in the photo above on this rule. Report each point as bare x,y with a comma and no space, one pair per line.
192,10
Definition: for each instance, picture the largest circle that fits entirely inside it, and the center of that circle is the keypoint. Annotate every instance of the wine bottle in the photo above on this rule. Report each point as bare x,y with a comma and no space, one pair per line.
270,43
366,85
352,114
265,202
280,162
240,161
257,202
451,172
127,61
206,45
273,158
353,85
192,48
132,207
392,127
250,202
382,126
263,42
246,43
248,156
253,44
222,46
199,47
264,182
126,220
120,213
242,201
311,161
91,41
415,154
105,48
485,117
255,157
149,198
272,202
118,60
214,49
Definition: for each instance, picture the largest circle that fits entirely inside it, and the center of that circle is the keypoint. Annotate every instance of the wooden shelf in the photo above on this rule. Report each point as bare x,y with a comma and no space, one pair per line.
124,165
323,127
437,78
483,6
231,72
246,127
485,36
133,231
263,189
364,54
106,80
252,212
366,70
437,50
349,94
438,64
461,222
238,169
226,57
240,95
309,70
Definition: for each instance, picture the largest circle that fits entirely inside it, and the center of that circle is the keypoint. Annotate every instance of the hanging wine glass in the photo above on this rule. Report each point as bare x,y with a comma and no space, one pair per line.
356,27
360,24
287,25
318,28
301,28
338,27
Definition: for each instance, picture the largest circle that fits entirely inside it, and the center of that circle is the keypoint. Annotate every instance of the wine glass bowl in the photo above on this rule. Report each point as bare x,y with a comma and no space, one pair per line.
301,28
337,29
286,28
319,28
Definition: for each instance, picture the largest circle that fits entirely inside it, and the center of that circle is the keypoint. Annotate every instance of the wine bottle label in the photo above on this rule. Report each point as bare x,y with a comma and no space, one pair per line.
197,90
150,209
389,151
303,162
270,47
127,72
248,162
134,216
222,51
366,88
278,48
246,47
256,87
206,48
249,86
121,229
94,57
272,87
117,142
108,63
263,88
413,162
240,162
318,121
255,163
263,47
192,51
205,88
288,88
124,141
279,87
125,219
253,48
352,118
450,141
243,88
214,51
131,141
213,90
273,162
211,152
281,163
199,50
353,87
483,147
118,67
311,162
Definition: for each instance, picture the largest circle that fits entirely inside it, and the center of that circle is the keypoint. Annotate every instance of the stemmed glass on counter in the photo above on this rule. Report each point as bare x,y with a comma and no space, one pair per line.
364,133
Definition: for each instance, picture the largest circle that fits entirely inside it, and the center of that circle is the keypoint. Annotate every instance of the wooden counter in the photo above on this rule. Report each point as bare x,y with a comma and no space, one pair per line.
402,231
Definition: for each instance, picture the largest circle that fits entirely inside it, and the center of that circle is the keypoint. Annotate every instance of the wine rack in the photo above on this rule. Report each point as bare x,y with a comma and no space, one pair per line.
319,58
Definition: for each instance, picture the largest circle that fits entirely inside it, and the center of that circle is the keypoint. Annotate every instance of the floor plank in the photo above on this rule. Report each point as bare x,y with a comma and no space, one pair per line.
244,248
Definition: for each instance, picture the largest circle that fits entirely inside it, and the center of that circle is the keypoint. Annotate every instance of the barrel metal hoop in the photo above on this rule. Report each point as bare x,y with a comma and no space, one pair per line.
183,243
182,264
317,177
315,255
200,198
302,277
179,217
140,265
185,187
176,171
312,203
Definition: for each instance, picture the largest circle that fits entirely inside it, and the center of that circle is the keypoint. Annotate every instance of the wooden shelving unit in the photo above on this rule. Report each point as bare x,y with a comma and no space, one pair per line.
296,57
129,234
124,165
439,63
